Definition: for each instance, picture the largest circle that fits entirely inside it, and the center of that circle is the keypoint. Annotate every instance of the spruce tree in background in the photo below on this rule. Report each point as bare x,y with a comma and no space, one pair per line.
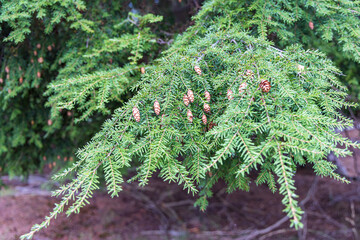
235,94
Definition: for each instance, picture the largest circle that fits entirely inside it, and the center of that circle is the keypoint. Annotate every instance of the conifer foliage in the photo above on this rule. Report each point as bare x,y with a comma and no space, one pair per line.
231,101
42,41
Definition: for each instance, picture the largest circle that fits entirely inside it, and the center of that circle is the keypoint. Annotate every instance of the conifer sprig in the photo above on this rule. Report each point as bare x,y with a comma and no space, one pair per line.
282,119
270,132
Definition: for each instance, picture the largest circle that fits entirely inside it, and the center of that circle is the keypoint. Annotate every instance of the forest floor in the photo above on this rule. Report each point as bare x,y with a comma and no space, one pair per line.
165,211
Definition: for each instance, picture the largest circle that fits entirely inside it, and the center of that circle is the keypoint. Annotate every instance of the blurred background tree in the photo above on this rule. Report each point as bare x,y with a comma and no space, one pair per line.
47,40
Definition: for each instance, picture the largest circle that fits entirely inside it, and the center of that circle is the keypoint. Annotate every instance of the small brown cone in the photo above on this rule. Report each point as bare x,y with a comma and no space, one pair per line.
142,70
206,108
265,85
157,107
197,70
21,80
300,67
207,96
136,114
204,119
190,95
242,87
186,100
249,73
229,94
189,116
311,25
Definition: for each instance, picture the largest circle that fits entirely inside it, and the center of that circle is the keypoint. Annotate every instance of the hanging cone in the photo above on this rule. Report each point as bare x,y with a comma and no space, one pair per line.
229,94
206,108
265,85
197,70
207,96
157,107
136,114
242,87
189,116
204,119
311,25
300,67
190,95
186,100
249,73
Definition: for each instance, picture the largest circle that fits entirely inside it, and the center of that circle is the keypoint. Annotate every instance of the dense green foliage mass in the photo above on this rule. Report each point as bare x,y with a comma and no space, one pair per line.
237,95
44,41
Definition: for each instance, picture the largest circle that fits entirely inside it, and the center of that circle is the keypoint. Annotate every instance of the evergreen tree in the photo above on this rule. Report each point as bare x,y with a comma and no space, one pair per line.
44,40
235,94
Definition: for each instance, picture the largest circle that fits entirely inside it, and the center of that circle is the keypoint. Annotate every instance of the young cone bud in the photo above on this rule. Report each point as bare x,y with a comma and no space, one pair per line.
242,87
204,119
21,80
265,85
300,67
186,100
197,70
189,116
207,96
229,94
142,70
190,95
206,108
7,69
311,25
136,114
249,73
157,107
